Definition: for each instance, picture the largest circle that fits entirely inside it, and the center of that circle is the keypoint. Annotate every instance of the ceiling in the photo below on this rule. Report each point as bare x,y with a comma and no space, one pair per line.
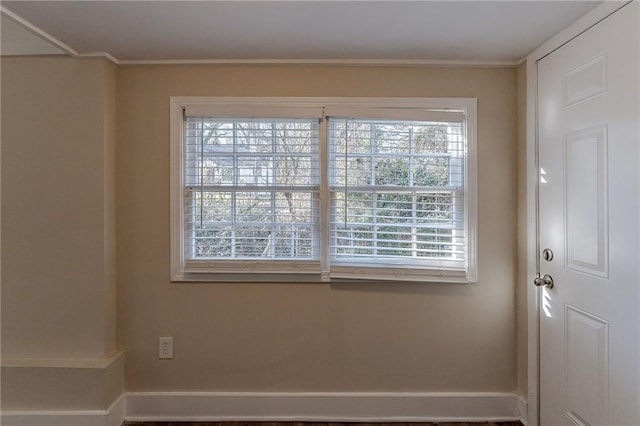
288,31
19,40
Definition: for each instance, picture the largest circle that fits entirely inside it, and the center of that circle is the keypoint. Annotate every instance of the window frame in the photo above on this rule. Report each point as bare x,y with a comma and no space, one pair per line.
304,270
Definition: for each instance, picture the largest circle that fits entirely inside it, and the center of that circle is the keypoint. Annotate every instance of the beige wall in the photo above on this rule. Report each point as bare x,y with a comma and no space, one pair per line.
57,126
312,337
58,228
109,203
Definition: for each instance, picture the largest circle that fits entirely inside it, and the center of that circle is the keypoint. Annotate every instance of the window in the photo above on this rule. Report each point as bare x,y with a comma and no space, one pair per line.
311,189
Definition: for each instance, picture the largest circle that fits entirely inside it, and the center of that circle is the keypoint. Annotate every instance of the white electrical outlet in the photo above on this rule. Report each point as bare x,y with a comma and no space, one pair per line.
165,347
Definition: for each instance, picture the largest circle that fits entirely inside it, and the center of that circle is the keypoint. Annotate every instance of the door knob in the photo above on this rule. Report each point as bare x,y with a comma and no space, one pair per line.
545,281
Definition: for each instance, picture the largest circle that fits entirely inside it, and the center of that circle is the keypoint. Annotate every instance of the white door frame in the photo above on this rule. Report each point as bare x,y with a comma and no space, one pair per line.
533,296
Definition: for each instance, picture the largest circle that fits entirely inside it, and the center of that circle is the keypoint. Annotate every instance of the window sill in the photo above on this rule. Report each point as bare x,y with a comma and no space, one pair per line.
360,278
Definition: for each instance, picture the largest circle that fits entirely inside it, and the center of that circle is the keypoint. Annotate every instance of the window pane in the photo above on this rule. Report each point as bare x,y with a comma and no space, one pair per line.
360,209
394,208
212,243
252,241
354,137
435,243
354,241
254,137
251,207
432,138
292,171
403,195
215,208
355,171
392,171
296,138
435,208
431,171
293,241
254,234
255,171
218,137
210,170
294,207
263,222
393,241
393,138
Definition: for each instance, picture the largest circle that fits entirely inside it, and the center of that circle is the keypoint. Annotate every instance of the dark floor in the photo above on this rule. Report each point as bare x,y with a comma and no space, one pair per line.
316,424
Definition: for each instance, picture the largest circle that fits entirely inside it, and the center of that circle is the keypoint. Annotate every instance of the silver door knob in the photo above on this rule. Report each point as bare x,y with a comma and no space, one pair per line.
545,281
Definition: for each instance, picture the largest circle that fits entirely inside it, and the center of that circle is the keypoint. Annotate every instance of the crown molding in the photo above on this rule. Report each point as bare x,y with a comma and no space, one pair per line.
331,62
105,55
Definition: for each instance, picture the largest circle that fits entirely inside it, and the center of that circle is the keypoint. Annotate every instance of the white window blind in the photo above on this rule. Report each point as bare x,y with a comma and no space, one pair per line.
325,188
251,189
397,194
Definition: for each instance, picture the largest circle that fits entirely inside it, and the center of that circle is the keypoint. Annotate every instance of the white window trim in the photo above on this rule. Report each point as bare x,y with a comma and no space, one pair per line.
302,271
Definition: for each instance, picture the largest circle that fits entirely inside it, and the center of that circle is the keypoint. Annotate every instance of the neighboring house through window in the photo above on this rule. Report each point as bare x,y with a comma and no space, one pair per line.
322,188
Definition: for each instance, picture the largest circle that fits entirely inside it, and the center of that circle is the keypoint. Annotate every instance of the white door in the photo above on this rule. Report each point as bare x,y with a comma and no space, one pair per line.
589,217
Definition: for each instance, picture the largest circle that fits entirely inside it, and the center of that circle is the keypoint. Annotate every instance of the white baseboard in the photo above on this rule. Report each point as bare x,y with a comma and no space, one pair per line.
326,407
280,406
114,416
116,413
523,409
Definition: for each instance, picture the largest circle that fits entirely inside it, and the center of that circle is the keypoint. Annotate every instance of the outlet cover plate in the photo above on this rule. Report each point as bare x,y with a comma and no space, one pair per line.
165,347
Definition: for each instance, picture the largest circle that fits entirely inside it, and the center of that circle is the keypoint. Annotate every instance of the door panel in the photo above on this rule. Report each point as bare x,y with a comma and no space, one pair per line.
586,193
587,367
589,217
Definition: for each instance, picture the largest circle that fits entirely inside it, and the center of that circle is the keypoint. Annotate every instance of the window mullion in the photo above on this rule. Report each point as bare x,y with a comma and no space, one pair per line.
234,192
346,171
414,229
201,174
374,195
233,223
272,239
275,157
411,156
414,219
456,158
325,205
189,228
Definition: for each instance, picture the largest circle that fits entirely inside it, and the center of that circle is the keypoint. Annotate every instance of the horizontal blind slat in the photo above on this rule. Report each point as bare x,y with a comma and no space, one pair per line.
243,111
393,113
